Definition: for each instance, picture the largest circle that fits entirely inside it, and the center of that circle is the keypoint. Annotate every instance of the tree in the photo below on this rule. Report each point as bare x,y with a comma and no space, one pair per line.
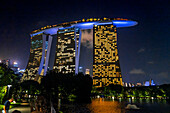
117,88
30,85
3,90
7,77
67,85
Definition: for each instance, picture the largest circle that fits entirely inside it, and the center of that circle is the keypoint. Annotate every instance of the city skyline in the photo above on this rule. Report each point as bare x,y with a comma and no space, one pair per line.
143,49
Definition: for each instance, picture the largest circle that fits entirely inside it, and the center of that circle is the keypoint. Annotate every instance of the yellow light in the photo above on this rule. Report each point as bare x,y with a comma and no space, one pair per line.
91,19
105,18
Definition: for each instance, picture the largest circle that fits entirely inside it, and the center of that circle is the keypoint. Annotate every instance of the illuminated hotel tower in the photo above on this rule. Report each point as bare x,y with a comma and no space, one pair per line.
41,56
35,56
58,47
67,43
106,68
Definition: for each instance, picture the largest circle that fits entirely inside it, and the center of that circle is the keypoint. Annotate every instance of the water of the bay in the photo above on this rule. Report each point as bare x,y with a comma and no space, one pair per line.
103,105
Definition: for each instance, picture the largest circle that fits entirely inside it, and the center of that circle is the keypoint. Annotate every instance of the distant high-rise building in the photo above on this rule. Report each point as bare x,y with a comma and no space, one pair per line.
14,67
8,63
15,64
80,69
87,72
149,83
138,84
58,47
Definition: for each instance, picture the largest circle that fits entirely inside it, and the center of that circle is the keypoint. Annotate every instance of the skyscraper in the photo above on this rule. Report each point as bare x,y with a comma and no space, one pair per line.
66,50
35,56
58,47
106,68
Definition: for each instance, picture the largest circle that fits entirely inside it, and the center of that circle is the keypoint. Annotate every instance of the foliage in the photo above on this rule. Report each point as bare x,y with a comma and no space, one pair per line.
3,91
66,86
1,107
31,86
111,90
165,89
11,106
7,76
137,92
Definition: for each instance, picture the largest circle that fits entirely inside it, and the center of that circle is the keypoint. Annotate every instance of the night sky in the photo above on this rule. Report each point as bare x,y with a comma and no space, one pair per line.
143,49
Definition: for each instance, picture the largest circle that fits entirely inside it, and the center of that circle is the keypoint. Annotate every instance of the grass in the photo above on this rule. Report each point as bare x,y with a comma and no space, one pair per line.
15,103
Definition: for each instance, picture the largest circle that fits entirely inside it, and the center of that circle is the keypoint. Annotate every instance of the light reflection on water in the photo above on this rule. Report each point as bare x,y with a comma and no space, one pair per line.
103,105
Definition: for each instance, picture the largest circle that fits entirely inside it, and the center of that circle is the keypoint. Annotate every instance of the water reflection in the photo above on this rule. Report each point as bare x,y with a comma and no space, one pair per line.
98,105
102,105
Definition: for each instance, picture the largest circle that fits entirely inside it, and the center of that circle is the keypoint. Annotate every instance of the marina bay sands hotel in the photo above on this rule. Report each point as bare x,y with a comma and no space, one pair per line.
59,48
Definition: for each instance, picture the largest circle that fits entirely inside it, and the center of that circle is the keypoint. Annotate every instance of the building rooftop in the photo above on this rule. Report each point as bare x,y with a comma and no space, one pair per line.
84,24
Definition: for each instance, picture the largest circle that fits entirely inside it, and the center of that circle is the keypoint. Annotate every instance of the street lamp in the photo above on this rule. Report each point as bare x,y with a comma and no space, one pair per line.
9,86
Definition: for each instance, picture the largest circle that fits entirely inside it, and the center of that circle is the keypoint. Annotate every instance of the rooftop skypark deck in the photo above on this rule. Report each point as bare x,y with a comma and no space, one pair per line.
85,24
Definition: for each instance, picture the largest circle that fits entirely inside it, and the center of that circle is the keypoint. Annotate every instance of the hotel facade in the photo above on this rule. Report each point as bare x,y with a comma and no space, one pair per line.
59,48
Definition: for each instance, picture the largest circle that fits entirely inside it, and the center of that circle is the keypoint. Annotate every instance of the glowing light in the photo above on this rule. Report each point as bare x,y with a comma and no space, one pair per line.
124,23
0,61
22,70
133,97
87,24
9,86
104,23
14,102
15,63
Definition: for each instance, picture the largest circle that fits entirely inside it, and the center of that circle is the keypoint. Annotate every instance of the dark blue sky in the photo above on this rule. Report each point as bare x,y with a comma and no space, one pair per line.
143,49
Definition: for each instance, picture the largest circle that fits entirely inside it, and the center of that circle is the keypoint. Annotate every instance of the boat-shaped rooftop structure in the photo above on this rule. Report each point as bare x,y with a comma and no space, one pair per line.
85,24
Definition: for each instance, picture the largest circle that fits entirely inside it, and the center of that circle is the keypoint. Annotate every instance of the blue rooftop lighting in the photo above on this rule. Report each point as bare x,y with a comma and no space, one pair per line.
89,25
51,31
117,23
104,23
124,23
85,25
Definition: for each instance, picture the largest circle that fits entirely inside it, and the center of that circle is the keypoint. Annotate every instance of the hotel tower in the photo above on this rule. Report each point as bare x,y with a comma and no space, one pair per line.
60,48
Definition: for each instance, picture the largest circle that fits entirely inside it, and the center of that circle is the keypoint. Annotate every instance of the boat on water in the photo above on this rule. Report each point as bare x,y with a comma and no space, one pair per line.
131,106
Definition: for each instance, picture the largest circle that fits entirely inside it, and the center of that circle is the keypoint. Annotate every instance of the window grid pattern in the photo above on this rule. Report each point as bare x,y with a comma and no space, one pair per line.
106,68
65,52
35,57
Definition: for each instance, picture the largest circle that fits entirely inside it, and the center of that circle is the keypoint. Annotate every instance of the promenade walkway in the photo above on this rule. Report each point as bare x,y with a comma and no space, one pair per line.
23,107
